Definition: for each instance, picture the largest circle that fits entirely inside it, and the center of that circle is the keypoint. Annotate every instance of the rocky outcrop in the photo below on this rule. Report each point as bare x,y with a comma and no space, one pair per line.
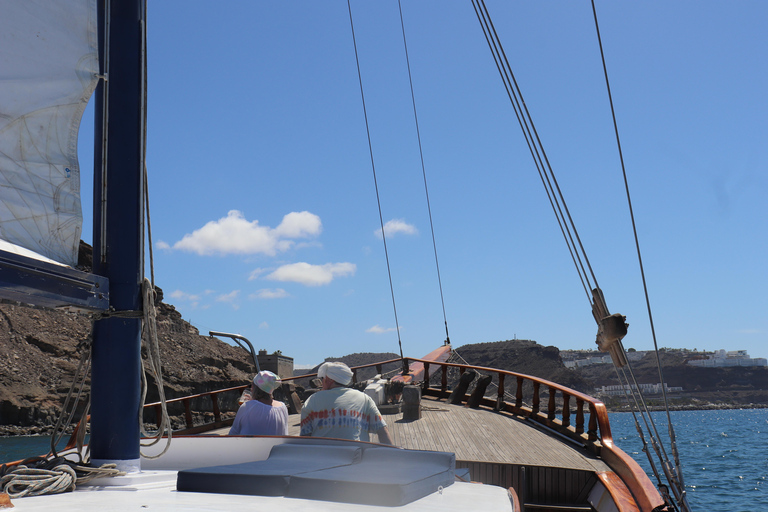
524,356
40,351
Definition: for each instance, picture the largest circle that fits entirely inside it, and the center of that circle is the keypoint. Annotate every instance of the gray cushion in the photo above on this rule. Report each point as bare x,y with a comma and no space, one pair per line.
268,477
385,477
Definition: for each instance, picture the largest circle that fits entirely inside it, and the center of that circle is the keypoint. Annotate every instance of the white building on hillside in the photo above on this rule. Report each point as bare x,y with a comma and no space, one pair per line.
647,389
723,358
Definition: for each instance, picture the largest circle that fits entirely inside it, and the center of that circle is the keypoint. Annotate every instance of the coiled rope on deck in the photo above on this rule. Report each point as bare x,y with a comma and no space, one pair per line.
64,476
24,481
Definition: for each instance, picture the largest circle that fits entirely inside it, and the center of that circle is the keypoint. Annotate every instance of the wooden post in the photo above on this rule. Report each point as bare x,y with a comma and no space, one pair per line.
216,411
579,416
592,432
551,404
188,414
566,409
444,380
500,398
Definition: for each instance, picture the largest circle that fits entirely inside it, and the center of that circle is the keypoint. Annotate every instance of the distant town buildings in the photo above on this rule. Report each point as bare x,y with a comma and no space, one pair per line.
718,359
646,389
722,358
577,359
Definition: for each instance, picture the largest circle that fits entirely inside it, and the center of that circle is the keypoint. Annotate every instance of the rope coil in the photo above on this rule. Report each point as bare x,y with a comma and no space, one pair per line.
24,481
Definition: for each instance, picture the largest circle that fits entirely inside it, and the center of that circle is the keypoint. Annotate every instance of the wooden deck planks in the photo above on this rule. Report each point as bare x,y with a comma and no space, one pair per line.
487,436
482,435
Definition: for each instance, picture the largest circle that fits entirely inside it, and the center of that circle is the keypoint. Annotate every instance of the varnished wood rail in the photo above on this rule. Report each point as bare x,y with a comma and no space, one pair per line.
554,415
596,427
186,402
563,403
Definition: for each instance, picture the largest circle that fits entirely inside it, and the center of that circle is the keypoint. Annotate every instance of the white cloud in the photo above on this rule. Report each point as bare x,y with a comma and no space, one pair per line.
312,275
376,329
266,293
299,225
256,273
163,246
234,234
230,298
263,325
180,295
395,226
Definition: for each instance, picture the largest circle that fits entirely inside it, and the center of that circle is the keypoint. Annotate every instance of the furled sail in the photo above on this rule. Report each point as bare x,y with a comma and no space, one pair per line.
48,71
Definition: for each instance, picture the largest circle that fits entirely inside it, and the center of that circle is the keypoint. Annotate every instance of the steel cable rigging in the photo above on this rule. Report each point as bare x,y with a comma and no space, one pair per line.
611,328
548,179
424,172
376,185
674,474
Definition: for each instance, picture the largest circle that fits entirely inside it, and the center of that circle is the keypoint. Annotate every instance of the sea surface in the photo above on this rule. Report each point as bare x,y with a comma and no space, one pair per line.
724,455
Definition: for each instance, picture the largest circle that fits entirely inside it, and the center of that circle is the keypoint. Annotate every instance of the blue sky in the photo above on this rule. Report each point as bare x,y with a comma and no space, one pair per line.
263,203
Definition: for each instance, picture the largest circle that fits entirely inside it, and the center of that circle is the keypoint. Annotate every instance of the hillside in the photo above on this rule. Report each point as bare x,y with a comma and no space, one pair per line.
524,356
40,351
702,387
735,386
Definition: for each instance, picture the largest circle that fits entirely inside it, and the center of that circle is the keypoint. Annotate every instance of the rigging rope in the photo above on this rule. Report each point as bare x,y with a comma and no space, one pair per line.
37,476
674,475
24,481
149,336
150,340
67,410
376,185
423,171
149,331
546,174
573,240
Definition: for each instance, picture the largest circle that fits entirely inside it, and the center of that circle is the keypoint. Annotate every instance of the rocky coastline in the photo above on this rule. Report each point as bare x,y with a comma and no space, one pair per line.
40,351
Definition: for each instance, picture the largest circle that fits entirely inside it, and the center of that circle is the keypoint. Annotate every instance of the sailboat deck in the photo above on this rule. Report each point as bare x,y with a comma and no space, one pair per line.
482,435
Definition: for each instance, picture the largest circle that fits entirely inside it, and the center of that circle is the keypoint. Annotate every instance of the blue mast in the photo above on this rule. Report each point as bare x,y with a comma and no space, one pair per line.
118,227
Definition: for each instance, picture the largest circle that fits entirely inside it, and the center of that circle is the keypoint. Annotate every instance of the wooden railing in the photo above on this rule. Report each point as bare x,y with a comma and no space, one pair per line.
561,402
569,413
560,406
186,402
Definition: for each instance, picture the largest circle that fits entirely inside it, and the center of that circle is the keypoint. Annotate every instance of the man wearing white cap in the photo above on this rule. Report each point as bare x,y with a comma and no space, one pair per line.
262,416
339,411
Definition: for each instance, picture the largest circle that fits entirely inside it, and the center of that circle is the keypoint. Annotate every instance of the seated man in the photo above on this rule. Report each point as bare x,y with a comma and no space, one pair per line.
262,416
339,411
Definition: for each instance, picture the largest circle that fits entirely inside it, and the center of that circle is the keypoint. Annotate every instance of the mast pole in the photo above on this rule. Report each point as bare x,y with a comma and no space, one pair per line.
119,234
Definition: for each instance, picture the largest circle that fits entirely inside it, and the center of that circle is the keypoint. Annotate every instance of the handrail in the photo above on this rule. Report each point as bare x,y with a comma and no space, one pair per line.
598,426
598,421
596,438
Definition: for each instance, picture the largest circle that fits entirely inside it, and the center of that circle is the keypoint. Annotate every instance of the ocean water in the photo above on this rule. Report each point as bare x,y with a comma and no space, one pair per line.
21,447
724,455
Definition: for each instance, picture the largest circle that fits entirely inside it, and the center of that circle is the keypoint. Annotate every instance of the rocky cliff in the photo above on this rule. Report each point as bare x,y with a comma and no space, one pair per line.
41,349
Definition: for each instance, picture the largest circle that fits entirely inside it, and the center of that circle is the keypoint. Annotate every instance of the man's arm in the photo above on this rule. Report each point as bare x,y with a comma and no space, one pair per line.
384,437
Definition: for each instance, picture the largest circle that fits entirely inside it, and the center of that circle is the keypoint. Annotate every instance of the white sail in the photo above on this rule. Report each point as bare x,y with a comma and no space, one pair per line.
48,68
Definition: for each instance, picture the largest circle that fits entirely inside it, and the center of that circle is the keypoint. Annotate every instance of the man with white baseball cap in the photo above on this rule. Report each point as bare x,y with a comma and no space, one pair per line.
339,411
262,416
